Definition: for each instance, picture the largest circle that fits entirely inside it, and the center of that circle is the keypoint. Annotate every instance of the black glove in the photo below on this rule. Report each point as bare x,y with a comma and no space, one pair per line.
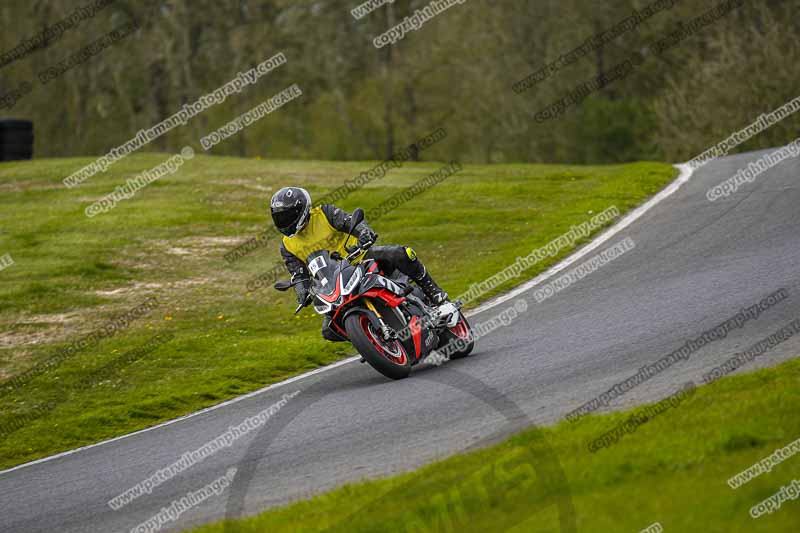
301,290
366,238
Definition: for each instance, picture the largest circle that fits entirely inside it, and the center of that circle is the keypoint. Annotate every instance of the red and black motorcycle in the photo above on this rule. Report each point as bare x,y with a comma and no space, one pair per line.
388,319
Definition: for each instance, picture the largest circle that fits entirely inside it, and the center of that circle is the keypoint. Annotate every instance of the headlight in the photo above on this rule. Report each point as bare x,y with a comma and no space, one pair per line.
354,279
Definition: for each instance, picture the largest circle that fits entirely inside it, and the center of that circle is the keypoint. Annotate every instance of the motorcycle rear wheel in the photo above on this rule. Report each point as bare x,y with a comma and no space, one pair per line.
387,357
461,335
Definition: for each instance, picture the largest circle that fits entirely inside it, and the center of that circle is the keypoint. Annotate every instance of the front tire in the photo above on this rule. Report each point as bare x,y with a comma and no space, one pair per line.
387,357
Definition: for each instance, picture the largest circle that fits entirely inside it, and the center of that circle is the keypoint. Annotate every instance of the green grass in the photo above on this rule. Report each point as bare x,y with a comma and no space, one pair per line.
672,470
73,273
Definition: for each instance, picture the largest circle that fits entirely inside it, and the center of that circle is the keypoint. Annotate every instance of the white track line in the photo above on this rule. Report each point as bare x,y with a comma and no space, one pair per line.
685,174
190,415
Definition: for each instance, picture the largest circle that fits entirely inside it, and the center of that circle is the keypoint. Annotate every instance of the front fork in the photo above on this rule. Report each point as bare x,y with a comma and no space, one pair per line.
387,332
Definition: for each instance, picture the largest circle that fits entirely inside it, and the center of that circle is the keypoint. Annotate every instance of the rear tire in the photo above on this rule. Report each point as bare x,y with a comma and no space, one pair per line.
461,333
388,358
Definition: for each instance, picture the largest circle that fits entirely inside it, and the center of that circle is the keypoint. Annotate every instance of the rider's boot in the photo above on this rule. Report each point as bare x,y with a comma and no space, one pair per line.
435,294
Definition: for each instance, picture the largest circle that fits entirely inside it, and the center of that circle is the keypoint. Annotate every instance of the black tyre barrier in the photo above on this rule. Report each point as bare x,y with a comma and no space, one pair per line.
16,140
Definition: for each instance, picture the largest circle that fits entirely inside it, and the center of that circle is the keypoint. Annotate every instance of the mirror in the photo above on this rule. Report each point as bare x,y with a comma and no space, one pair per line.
356,219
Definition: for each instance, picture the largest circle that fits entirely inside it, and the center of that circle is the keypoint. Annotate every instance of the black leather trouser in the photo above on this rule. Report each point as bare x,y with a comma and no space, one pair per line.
396,257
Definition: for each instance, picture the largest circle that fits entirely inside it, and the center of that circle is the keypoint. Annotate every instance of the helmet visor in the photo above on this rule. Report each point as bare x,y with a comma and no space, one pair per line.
286,218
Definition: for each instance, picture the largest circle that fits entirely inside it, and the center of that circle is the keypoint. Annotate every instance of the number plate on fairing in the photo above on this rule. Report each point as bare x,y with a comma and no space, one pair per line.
315,264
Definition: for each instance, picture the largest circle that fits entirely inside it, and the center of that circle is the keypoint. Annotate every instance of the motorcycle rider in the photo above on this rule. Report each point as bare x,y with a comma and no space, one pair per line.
308,229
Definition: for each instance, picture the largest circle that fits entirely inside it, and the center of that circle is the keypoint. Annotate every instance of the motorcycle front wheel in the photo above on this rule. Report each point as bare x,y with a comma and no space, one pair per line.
387,357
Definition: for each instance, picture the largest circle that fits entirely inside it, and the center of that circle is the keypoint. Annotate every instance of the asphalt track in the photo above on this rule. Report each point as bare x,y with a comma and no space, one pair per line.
696,263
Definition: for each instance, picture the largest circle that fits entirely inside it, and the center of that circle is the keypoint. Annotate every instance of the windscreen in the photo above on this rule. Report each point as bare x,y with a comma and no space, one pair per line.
324,271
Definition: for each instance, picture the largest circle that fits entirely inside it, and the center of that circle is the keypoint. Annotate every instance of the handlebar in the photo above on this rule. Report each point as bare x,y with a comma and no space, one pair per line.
358,251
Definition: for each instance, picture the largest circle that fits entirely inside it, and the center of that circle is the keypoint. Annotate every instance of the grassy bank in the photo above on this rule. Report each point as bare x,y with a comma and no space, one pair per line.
73,274
673,470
